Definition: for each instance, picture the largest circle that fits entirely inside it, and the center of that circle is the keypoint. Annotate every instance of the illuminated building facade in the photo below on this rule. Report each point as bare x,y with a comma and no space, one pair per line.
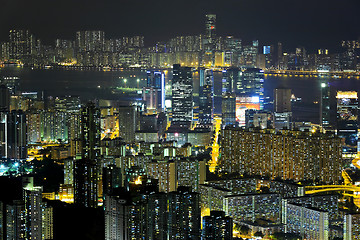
21,44
309,223
127,123
289,155
182,96
325,104
206,98
16,140
228,109
217,226
184,214
230,78
90,132
347,121
352,227
156,80
85,183
250,207
210,33
282,108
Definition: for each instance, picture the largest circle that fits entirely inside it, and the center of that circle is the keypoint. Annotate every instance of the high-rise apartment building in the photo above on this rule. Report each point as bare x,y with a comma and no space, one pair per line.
217,226
352,227
184,214
289,155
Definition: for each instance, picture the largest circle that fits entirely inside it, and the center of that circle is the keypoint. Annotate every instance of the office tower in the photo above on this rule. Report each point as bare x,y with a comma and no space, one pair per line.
352,226
282,108
4,98
150,99
206,98
217,226
16,142
85,183
282,100
90,132
21,44
127,123
182,96
249,55
290,154
156,80
210,32
347,121
230,79
184,214
325,104
228,109
251,84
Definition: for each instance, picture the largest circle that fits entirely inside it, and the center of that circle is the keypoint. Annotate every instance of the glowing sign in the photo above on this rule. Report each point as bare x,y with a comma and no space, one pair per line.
346,94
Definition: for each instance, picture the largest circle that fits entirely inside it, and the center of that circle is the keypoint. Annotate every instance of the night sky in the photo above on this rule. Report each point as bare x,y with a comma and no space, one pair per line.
309,23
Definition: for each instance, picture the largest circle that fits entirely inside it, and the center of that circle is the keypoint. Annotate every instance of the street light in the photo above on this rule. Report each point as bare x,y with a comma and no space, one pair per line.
137,80
125,80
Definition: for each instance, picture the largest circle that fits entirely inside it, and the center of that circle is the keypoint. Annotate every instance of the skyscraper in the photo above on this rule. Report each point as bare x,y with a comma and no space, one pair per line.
90,132
156,80
182,96
347,121
230,78
228,109
282,100
206,98
16,140
325,105
127,123
210,32
282,108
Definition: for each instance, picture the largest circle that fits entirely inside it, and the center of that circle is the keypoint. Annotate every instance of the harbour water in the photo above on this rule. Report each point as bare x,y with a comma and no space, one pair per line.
98,84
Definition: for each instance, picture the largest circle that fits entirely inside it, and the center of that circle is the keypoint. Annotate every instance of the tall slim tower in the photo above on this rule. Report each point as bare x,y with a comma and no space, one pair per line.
210,32
90,132
206,97
182,96
325,105
156,80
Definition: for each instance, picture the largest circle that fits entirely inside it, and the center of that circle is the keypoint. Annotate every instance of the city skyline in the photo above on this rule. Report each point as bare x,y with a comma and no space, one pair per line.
320,24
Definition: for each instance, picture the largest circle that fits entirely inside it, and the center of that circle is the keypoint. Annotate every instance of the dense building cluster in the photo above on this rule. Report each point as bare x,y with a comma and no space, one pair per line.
93,49
164,165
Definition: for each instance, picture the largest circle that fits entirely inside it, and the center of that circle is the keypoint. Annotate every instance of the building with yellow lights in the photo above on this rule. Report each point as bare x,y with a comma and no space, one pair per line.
288,155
